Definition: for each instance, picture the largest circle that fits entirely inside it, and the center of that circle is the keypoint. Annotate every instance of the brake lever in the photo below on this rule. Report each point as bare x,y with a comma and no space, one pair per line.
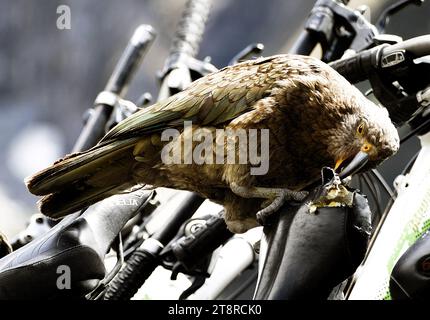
384,17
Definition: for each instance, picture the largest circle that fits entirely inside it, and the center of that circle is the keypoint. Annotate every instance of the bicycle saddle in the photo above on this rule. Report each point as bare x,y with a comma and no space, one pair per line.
410,278
306,254
74,248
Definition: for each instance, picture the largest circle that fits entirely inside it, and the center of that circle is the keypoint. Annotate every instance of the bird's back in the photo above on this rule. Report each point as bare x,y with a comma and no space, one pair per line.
212,101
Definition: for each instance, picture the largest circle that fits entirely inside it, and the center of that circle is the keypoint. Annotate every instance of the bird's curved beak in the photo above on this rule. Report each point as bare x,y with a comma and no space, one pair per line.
357,163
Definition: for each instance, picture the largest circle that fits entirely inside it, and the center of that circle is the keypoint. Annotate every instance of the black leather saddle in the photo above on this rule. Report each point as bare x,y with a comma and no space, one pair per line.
305,255
410,278
74,248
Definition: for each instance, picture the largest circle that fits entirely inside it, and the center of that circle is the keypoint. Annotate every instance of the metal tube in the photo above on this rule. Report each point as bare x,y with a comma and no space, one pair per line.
126,67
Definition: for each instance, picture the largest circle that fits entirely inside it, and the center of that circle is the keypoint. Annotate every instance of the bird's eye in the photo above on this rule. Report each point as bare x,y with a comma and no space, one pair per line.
360,129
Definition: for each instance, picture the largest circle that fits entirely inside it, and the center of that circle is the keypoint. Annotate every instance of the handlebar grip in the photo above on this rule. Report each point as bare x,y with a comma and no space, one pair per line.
139,267
145,259
305,43
320,15
357,67
190,28
130,59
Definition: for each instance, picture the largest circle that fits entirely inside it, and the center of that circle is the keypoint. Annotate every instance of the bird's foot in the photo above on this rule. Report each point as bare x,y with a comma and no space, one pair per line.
276,197
275,204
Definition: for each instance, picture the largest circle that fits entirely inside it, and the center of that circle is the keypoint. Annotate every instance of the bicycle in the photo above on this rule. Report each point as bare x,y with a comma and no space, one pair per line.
183,245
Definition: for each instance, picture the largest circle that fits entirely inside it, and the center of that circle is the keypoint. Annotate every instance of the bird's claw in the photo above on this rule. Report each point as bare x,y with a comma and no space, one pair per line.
283,196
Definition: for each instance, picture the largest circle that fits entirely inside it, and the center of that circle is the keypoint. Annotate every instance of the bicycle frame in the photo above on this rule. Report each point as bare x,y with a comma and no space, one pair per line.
407,220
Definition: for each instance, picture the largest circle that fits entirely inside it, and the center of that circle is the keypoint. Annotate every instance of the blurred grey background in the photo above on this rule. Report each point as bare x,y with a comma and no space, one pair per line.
49,77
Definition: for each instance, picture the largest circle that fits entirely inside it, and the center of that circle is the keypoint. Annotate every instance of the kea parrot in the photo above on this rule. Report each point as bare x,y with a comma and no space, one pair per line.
314,118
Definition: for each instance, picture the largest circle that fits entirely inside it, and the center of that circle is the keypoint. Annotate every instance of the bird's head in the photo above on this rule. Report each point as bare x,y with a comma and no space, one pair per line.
363,139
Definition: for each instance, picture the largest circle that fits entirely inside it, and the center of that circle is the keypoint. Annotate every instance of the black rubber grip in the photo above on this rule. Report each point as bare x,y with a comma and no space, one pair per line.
130,59
191,28
127,282
142,262
357,67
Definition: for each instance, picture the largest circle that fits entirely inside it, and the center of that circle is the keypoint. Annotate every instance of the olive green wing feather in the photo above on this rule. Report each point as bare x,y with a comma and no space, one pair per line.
211,100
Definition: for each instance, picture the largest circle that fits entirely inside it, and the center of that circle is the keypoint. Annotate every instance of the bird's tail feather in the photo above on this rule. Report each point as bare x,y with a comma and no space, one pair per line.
70,200
79,180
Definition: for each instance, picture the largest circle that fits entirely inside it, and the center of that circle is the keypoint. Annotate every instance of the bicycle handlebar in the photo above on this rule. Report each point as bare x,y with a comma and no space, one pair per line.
176,73
307,40
130,60
358,67
117,84
191,28
418,46
400,83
